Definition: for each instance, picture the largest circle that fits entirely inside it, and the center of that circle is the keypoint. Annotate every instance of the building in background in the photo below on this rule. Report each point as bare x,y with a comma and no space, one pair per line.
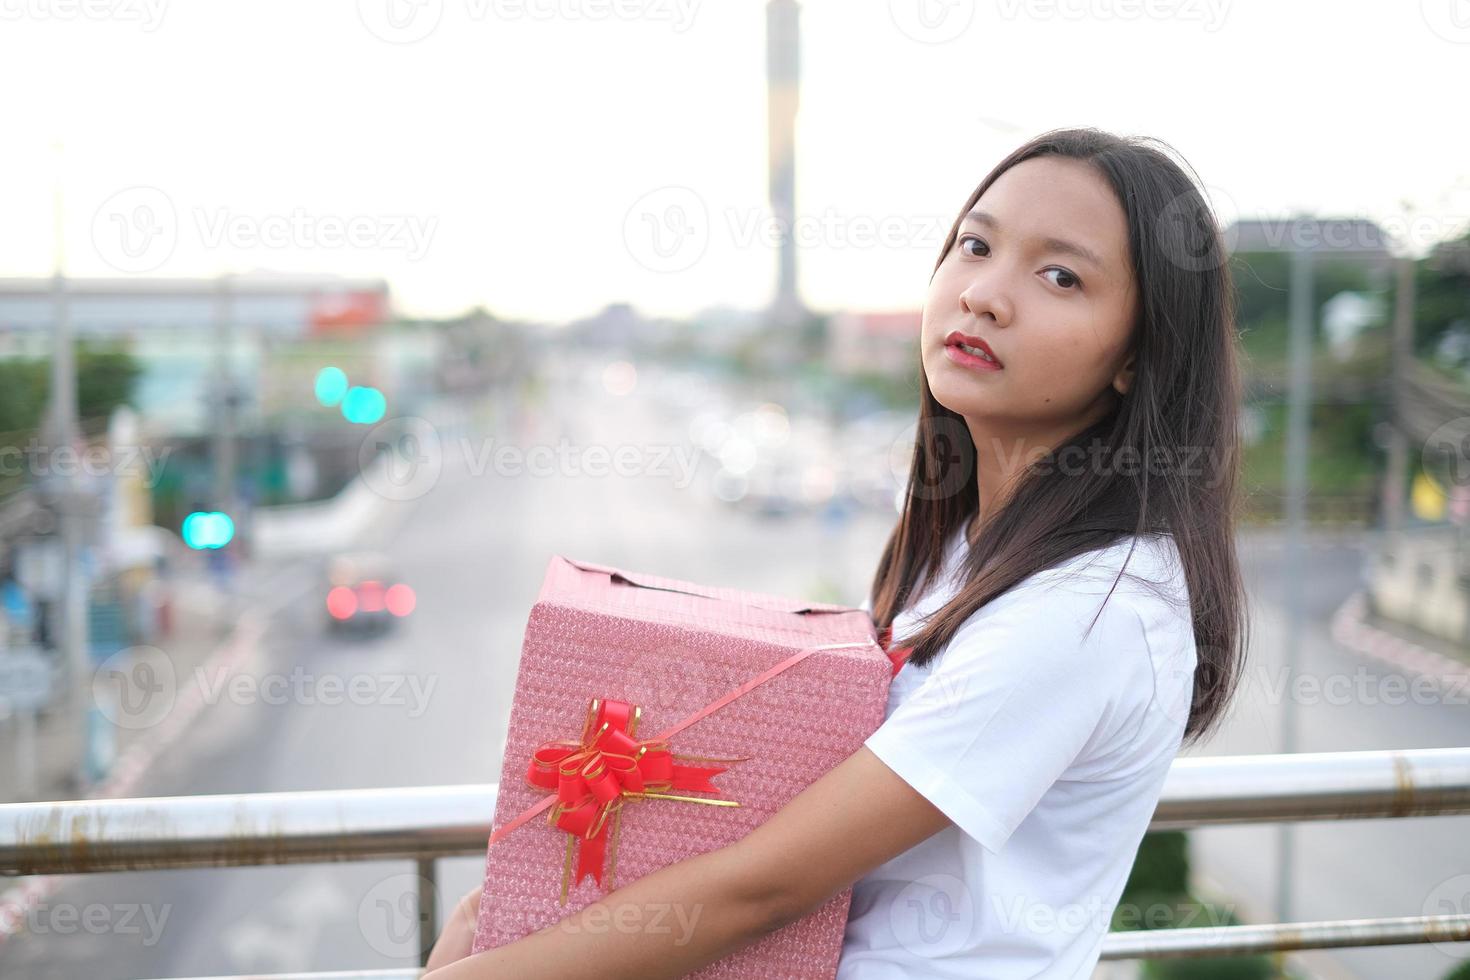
178,329
881,343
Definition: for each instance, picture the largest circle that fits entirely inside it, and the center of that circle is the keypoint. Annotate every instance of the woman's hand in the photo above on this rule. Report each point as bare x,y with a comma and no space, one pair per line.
459,932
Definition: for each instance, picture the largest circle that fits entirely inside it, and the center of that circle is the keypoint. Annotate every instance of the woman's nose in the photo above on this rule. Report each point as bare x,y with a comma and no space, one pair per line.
987,296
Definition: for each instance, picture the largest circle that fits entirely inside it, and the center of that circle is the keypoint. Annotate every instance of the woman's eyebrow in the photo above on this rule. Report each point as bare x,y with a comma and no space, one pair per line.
1050,244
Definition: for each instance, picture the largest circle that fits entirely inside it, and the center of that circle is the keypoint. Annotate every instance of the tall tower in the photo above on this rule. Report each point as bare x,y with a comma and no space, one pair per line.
782,45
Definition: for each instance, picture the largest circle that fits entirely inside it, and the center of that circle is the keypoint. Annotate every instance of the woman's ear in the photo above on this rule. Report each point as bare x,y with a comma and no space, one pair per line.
1123,380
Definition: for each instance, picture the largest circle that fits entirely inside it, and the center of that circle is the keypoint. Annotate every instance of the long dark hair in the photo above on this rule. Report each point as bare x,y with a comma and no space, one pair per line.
1178,421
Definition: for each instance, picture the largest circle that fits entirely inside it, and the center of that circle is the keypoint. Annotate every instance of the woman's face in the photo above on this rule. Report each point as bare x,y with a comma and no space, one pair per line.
1040,272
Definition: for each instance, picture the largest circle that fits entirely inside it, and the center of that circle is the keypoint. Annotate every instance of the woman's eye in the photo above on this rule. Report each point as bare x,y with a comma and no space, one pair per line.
972,240
1068,281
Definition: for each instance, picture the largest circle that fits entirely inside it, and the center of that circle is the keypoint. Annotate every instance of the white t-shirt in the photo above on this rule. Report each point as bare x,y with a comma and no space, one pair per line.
1048,752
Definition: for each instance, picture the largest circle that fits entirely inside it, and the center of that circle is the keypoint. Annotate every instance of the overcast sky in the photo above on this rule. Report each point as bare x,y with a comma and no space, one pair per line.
546,157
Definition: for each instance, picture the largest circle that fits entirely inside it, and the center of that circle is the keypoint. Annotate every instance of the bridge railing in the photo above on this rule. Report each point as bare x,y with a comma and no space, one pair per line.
423,824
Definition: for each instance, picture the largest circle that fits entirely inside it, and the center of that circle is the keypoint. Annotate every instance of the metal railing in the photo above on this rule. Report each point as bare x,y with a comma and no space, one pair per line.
423,824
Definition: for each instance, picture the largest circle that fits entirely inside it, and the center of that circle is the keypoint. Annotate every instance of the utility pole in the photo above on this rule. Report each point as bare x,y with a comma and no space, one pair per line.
63,490
1298,445
224,411
1398,440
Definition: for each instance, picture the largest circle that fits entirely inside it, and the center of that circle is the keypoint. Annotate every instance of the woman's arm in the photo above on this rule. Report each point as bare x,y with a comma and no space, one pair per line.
693,912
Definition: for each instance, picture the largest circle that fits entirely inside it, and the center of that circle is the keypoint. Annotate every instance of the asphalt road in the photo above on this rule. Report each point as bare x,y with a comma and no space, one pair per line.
474,547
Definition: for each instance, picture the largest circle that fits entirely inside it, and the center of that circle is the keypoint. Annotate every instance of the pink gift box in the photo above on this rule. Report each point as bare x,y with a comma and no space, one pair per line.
789,688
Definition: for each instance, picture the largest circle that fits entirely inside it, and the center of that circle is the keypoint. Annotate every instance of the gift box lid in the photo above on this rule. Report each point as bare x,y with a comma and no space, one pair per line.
605,588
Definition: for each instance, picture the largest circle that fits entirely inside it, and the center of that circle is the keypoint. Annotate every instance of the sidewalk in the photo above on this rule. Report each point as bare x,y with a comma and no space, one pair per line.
203,619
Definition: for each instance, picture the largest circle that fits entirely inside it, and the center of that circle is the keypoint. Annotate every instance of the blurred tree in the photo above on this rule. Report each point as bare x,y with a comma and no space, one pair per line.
106,375
23,387
1442,294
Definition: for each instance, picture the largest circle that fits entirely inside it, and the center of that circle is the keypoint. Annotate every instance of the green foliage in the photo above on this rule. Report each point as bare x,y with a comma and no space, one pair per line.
1262,295
106,374
23,389
1161,865
1461,972
1156,896
1441,300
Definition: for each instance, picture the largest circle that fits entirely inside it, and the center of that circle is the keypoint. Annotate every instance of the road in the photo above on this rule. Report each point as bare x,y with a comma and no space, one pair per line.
437,693
474,548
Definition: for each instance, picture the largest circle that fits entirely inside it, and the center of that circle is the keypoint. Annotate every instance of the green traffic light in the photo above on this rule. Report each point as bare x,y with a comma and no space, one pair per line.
331,385
207,529
363,405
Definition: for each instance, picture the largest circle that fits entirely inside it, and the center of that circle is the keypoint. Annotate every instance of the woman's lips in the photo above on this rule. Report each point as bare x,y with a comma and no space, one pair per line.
969,360
956,338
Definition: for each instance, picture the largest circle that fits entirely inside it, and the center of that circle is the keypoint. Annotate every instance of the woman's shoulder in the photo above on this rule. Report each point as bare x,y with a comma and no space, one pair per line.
1144,567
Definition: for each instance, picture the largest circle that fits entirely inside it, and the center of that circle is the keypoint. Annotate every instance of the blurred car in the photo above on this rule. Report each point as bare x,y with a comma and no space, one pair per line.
362,594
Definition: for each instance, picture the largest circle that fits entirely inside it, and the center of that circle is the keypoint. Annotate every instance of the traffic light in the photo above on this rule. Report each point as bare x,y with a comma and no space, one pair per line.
208,529
363,405
331,385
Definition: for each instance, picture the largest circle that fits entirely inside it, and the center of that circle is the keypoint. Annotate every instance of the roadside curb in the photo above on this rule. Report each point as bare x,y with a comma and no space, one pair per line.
1350,629
234,650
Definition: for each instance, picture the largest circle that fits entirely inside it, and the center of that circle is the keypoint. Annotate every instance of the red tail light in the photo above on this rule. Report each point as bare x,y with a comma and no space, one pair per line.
341,602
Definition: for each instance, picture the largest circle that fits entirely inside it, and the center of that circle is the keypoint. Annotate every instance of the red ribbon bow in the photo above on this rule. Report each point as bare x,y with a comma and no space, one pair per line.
898,655
593,776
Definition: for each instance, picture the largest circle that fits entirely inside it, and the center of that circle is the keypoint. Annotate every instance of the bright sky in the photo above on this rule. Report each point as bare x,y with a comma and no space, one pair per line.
521,153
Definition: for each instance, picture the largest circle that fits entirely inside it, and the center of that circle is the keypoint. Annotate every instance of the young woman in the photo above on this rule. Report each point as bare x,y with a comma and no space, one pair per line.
1063,579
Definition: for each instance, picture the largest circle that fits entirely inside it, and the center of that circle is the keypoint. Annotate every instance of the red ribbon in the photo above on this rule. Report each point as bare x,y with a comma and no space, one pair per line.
898,655
592,776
